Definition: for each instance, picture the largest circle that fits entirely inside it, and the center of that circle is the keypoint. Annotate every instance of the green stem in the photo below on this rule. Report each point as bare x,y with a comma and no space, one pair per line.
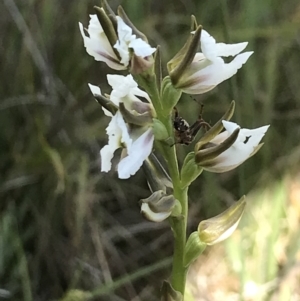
178,224
178,277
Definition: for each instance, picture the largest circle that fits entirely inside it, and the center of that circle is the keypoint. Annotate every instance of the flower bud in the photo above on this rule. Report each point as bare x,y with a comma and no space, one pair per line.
193,248
132,117
220,227
158,206
157,177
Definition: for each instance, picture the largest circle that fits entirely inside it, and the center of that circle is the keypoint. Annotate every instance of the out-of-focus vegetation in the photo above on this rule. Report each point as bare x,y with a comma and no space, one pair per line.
69,232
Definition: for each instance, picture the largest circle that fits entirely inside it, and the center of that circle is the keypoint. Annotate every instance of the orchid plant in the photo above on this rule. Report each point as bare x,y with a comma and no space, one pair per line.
141,107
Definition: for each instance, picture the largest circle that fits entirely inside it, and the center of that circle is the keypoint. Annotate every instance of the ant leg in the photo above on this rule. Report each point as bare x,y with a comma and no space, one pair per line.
176,114
196,126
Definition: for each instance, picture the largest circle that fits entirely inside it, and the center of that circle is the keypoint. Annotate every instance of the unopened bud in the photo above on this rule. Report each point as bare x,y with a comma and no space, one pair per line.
132,117
220,227
158,206
157,177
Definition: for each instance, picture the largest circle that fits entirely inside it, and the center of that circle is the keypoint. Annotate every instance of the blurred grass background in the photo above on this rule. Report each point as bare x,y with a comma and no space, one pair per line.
69,232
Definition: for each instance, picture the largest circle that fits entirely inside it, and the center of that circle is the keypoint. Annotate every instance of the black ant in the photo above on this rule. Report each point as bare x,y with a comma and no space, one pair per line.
184,133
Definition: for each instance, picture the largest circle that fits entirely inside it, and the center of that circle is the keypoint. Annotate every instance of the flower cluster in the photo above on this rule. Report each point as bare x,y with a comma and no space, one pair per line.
141,117
119,48
130,126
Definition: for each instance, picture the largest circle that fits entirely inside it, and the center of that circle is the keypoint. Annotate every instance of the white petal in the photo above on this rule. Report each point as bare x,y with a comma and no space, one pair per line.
154,216
128,40
106,154
230,127
228,70
124,38
124,31
230,49
240,151
209,77
114,142
117,132
211,49
95,90
141,48
208,45
122,84
125,139
125,89
139,151
122,48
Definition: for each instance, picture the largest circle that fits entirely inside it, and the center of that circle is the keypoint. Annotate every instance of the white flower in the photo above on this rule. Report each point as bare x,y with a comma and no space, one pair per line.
245,146
136,141
127,41
208,69
97,44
